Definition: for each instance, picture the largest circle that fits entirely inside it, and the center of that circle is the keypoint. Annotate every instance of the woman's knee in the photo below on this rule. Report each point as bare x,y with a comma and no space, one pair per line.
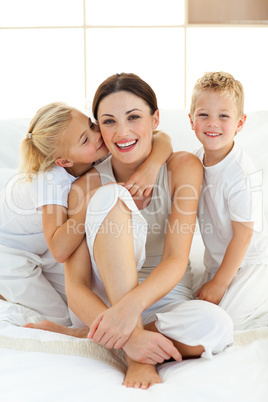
197,322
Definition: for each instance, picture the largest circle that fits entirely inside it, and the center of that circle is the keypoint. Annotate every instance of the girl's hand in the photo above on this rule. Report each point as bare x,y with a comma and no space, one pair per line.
113,327
142,181
211,292
150,347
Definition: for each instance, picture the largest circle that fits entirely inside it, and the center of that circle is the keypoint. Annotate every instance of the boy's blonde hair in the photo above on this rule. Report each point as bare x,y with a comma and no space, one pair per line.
41,146
223,83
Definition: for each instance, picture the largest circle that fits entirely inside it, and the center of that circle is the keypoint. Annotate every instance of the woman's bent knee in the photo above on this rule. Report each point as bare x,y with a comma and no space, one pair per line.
198,322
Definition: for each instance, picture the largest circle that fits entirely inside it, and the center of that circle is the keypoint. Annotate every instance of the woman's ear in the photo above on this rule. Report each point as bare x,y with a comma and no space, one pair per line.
156,119
63,163
241,122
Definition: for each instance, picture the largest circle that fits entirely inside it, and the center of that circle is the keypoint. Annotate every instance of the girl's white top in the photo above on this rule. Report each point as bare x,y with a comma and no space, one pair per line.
21,207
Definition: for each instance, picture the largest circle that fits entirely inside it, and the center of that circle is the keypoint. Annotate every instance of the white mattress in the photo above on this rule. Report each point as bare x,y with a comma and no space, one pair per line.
43,366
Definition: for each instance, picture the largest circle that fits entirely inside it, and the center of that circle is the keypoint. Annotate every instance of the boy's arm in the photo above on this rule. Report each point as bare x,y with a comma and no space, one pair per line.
214,289
142,181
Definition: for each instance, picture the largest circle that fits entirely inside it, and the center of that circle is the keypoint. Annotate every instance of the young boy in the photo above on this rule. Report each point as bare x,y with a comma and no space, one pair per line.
230,207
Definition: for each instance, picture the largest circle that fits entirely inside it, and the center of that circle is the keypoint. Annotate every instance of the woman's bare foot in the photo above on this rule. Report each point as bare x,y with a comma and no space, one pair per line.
60,329
140,375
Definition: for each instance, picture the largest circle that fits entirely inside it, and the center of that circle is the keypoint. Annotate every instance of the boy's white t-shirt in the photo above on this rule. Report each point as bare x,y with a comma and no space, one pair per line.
232,191
21,207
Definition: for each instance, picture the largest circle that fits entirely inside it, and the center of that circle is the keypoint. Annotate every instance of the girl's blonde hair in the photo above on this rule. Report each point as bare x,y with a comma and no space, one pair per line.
223,83
41,146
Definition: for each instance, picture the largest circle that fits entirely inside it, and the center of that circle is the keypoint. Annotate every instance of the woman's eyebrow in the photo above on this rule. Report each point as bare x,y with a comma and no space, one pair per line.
132,110
106,114
129,111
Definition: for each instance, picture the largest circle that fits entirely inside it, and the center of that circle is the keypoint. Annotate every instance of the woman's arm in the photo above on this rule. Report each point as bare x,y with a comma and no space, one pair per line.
143,346
143,180
81,299
213,290
186,180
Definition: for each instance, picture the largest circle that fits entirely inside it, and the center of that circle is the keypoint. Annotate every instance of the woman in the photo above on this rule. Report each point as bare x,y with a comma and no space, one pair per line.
150,234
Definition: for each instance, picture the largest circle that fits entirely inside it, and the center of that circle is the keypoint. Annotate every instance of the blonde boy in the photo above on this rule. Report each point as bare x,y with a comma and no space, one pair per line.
230,212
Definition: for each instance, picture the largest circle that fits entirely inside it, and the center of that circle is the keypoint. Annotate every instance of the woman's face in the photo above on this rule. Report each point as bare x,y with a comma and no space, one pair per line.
126,125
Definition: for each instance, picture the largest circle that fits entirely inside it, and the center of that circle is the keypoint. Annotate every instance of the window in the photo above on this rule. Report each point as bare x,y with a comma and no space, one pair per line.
62,49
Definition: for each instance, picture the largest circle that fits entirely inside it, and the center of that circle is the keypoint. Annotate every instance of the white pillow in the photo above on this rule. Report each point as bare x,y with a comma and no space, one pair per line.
5,175
12,132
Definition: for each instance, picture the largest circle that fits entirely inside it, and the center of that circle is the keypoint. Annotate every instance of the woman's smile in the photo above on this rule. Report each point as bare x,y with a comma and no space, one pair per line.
126,145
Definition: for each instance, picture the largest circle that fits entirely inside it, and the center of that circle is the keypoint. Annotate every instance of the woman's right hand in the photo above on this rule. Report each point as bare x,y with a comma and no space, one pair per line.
150,347
113,327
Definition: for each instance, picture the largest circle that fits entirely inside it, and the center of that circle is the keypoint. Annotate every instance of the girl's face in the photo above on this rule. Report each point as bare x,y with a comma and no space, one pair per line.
82,141
126,124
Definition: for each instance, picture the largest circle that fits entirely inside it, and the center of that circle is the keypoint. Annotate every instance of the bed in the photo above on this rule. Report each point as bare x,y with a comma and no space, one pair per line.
44,366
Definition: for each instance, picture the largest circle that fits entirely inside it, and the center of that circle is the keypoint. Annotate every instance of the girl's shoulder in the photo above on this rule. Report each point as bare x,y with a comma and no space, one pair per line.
89,181
56,175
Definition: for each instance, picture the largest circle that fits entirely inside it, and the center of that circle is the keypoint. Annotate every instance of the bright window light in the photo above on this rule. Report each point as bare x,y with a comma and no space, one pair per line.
155,54
40,66
238,51
137,13
34,13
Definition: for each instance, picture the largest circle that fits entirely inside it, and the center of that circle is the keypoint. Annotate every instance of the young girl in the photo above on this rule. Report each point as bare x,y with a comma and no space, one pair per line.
35,234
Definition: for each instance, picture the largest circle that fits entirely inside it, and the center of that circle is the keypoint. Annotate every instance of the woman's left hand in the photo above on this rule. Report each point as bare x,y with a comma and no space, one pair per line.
113,327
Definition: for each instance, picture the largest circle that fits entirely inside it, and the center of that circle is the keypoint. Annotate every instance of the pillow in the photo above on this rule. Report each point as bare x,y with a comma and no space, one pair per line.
12,132
5,175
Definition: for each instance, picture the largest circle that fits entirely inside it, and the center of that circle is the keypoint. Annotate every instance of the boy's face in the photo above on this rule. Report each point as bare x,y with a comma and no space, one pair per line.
215,122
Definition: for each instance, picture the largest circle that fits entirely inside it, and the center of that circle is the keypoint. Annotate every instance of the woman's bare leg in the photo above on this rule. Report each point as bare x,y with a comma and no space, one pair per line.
118,270
140,375
60,329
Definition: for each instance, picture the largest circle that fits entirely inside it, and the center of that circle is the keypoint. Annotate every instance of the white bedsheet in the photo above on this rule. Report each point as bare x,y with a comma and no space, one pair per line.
43,366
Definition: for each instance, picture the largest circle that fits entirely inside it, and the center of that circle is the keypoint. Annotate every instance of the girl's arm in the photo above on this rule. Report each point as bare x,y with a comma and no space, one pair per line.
64,233
187,173
213,290
142,181
63,236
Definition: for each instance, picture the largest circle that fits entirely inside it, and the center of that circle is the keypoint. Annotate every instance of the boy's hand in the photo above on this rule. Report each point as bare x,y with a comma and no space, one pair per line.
150,347
211,292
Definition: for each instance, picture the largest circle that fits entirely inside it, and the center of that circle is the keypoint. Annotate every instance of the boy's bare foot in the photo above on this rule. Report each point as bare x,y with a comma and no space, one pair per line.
140,375
60,329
